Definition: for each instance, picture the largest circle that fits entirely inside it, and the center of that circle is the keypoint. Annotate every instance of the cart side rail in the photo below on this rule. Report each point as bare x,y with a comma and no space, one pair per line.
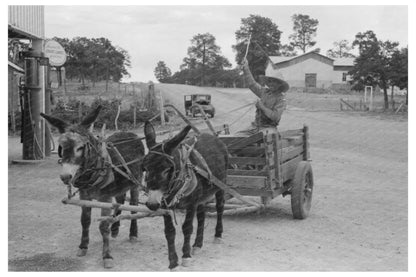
265,162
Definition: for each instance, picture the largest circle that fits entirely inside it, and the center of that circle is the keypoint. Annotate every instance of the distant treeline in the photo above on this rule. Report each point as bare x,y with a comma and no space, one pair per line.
94,59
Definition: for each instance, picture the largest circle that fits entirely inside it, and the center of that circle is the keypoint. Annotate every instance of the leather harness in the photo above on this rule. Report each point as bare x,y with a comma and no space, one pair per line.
184,180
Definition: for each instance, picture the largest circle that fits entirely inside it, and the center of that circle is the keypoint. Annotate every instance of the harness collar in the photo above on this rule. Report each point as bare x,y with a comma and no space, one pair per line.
183,181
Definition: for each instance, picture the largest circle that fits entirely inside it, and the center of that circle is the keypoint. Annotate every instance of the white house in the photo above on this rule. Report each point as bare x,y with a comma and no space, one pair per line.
312,70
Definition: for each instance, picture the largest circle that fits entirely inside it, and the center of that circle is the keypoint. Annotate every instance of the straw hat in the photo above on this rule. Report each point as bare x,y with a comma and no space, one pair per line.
275,82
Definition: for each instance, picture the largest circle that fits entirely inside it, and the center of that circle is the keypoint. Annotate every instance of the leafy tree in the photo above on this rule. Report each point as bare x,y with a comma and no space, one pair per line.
264,33
373,65
287,50
162,72
229,78
341,49
78,58
204,55
399,69
94,59
203,59
367,63
304,29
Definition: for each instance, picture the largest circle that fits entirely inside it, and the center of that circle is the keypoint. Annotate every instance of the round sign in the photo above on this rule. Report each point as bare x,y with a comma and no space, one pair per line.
55,52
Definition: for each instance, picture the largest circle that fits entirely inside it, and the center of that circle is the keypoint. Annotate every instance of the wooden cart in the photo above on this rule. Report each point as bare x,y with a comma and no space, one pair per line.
263,164
272,164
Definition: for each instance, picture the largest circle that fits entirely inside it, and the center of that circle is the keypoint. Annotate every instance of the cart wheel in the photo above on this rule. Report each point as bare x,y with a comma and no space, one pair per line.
301,192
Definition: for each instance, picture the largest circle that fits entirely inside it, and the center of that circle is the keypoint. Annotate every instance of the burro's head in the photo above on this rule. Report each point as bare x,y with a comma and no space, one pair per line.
73,143
159,165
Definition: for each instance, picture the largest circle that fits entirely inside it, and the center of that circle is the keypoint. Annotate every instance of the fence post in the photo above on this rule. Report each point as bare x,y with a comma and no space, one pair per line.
134,114
162,109
118,114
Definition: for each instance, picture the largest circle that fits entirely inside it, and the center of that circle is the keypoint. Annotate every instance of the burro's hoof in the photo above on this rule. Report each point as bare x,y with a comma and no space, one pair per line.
196,250
186,262
218,240
82,252
177,268
133,239
108,263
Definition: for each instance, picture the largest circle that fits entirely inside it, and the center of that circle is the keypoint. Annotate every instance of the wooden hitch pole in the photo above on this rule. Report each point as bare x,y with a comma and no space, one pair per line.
238,211
112,219
226,206
103,205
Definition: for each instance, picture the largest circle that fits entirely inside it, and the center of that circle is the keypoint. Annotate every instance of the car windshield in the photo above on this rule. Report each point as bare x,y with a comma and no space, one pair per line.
202,102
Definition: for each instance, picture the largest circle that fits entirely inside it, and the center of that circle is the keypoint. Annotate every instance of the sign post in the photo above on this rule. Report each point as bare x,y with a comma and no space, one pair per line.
57,58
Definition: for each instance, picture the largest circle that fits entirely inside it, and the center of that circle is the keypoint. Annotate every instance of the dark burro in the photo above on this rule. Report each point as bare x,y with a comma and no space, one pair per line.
96,169
173,183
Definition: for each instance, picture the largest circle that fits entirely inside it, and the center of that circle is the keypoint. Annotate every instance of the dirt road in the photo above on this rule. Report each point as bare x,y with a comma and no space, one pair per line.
358,220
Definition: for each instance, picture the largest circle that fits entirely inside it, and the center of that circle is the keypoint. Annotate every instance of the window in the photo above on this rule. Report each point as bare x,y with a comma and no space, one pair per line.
344,76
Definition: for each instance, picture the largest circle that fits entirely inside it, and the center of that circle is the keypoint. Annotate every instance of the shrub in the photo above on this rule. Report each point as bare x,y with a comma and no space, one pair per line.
70,112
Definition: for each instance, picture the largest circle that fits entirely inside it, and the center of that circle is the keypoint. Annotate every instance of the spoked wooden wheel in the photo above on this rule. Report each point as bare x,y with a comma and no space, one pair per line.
301,192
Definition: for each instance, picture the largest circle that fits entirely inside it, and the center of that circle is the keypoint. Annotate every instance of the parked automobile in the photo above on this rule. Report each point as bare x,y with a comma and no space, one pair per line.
204,100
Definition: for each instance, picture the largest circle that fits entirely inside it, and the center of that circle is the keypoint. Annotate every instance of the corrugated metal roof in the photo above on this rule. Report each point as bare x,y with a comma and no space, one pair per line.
28,20
337,61
279,59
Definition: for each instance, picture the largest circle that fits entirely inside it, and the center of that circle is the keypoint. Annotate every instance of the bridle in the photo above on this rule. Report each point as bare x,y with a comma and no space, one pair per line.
96,170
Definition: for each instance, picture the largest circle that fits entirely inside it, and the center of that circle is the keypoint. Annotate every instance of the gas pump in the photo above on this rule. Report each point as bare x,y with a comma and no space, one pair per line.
32,97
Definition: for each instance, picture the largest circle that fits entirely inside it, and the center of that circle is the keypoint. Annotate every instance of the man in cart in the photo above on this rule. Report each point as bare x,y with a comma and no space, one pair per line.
272,100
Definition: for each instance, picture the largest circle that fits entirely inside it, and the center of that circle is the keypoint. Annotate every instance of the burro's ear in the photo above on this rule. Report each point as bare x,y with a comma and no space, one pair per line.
56,122
173,142
150,134
91,117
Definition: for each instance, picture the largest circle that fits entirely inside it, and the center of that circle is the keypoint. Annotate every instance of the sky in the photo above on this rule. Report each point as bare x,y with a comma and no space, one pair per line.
163,33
